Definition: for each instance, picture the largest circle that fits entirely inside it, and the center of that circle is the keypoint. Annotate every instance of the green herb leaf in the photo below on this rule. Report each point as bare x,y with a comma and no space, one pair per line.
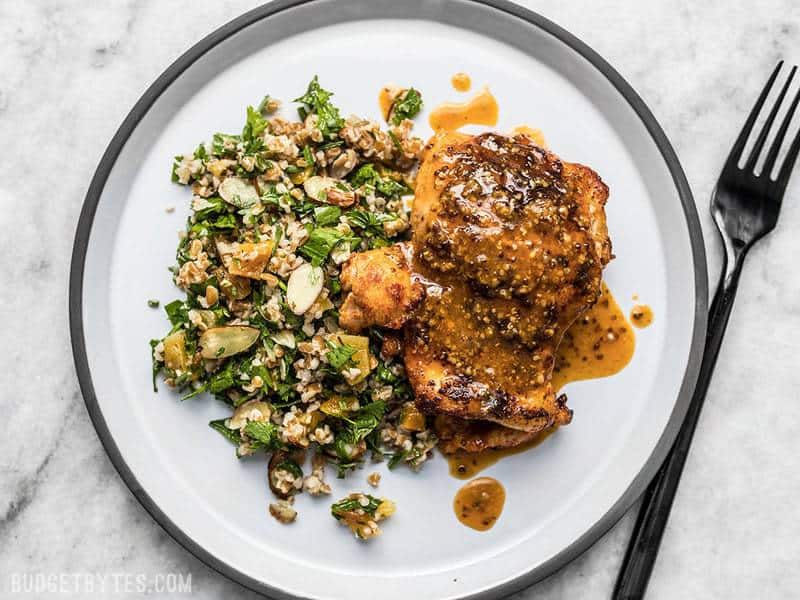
156,364
177,312
308,155
319,244
253,130
368,175
327,215
232,435
407,107
222,380
339,354
176,162
212,206
347,505
264,434
384,375
317,101
223,144
201,152
396,459
335,285
365,420
291,467
370,225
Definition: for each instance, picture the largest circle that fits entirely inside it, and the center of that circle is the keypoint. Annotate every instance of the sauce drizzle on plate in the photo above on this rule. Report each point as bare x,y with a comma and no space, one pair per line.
598,344
461,82
478,504
385,100
641,316
464,465
481,109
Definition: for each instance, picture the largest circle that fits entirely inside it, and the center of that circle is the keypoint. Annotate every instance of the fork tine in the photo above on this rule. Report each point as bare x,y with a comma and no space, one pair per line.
772,155
738,147
762,137
788,163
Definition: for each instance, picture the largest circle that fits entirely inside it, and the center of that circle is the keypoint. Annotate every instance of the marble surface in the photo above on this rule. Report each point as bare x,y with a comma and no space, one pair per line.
71,70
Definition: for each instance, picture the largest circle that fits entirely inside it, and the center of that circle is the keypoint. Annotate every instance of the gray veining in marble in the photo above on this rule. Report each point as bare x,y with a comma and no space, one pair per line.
69,73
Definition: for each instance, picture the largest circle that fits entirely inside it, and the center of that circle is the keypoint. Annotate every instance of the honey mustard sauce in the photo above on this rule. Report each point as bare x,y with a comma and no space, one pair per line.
386,99
465,465
641,316
481,109
479,503
534,134
461,82
599,344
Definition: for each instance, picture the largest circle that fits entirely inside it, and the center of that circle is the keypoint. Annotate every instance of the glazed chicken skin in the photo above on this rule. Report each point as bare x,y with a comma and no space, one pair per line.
381,289
509,245
517,241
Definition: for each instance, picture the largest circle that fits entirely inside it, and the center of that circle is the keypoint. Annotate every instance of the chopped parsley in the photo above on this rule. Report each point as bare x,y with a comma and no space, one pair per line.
232,435
316,100
319,244
368,175
406,107
177,312
351,503
365,420
264,434
327,215
254,128
339,355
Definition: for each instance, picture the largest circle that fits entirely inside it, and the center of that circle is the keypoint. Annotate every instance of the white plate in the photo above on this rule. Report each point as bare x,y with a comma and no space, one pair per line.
562,496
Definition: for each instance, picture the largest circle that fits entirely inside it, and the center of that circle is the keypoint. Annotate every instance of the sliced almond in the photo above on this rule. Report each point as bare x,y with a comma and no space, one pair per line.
316,187
239,192
219,342
207,318
305,284
249,411
285,338
329,190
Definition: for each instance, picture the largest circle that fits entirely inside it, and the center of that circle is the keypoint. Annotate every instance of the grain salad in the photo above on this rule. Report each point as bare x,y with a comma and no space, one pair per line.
275,213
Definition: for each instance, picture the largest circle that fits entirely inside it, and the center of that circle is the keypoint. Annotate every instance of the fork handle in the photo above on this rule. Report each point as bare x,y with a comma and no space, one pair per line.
657,501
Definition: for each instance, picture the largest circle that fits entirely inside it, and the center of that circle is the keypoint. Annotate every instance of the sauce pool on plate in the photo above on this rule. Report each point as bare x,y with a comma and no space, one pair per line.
479,503
598,344
481,109
641,315
385,100
464,465
461,82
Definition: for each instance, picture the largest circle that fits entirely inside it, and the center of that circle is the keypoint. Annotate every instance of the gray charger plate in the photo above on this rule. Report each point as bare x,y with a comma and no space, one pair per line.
561,497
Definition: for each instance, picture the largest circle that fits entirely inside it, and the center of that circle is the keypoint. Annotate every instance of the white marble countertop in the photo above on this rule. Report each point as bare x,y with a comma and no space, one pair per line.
71,70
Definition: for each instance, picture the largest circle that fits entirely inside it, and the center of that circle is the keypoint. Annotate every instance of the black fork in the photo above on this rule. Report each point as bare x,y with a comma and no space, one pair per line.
745,207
